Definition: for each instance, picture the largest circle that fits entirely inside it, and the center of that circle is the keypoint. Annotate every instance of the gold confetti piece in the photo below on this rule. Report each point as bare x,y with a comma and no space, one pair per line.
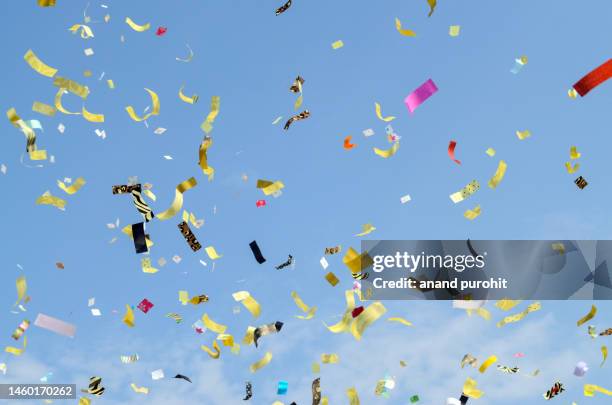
351,393
490,152
487,363
212,325
366,229
269,187
215,103
190,100
454,30
517,317
389,152
22,287
588,316
83,400
30,135
58,103
590,389
499,174
110,83
74,187
574,154
92,117
147,267
150,194
128,318
16,351
46,3
345,324
523,134
338,44
139,390
136,27
72,86
432,6
356,262
298,102
332,358
316,368
216,353
310,311
406,33
154,110
249,337
129,359
177,204
48,199
366,318
212,253
332,279
261,363
470,390
379,114
572,93
558,247
183,297
400,320
572,169
472,214
227,340
203,154
38,65
604,354
44,109
324,401
249,302
87,73
85,30
507,304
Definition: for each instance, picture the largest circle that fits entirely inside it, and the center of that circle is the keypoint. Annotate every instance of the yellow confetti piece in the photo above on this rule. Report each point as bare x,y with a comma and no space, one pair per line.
189,100
215,103
16,351
87,73
3,368
58,103
507,304
310,311
154,110
269,187
29,133
177,204
345,324
249,302
483,313
499,174
487,363
139,390
389,152
523,134
136,27
403,363
261,363
38,65
212,325
85,30
366,318
212,253
400,320
249,336
48,199
150,194
558,247
227,340
84,401
604,354
331,358
147,267
324,401
491,152
351,393
572,169
406,33
72,86
92,117
128,318
366,229
590,389
472,214
316,368
454,30
379,114
470,390
22,287
203,154
213,354
44,109
298,102
46,3
574,154
338,44
332,279
183,297
572,93
588,316
111,84
517,317
74,187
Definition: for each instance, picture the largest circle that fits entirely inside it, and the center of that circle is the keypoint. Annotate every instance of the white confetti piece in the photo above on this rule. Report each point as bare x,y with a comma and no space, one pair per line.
176,259
157,374
61,128
405,199
88,52
96,312
3,168
91,302
368,132
324,263
167,157
159,131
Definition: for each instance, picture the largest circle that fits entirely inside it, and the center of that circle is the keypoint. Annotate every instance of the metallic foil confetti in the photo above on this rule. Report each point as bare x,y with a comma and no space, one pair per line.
283,8
594,78
189,236
301,116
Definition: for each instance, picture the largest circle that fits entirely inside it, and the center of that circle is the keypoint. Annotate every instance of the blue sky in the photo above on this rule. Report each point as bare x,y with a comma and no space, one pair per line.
249,57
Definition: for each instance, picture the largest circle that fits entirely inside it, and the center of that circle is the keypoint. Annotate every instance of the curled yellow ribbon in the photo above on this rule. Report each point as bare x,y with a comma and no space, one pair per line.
136,27
190,100
379,113
154,110
38,65
261,363
177,204
216,353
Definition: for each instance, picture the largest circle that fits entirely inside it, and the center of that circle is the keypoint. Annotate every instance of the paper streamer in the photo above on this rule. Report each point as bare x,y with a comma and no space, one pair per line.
154,111
22,287
470,390
189,100
367,317
309,311
177,204
189,57
139,390
72,86
404,32
379,114
283,8
189,236
257,252
389,152
451,151
140,239
215,103
517,317
465,192
316,391
95,386
73,188
351,393
472,214
38,65
249,302
44,109
265,360
128,318
91,117
590,389
213,354
213,326
593,78
588,316
301,116
203,158
432,6
137,27
420,95
55,325
48,199
604,354
499,174
30,135
487,363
